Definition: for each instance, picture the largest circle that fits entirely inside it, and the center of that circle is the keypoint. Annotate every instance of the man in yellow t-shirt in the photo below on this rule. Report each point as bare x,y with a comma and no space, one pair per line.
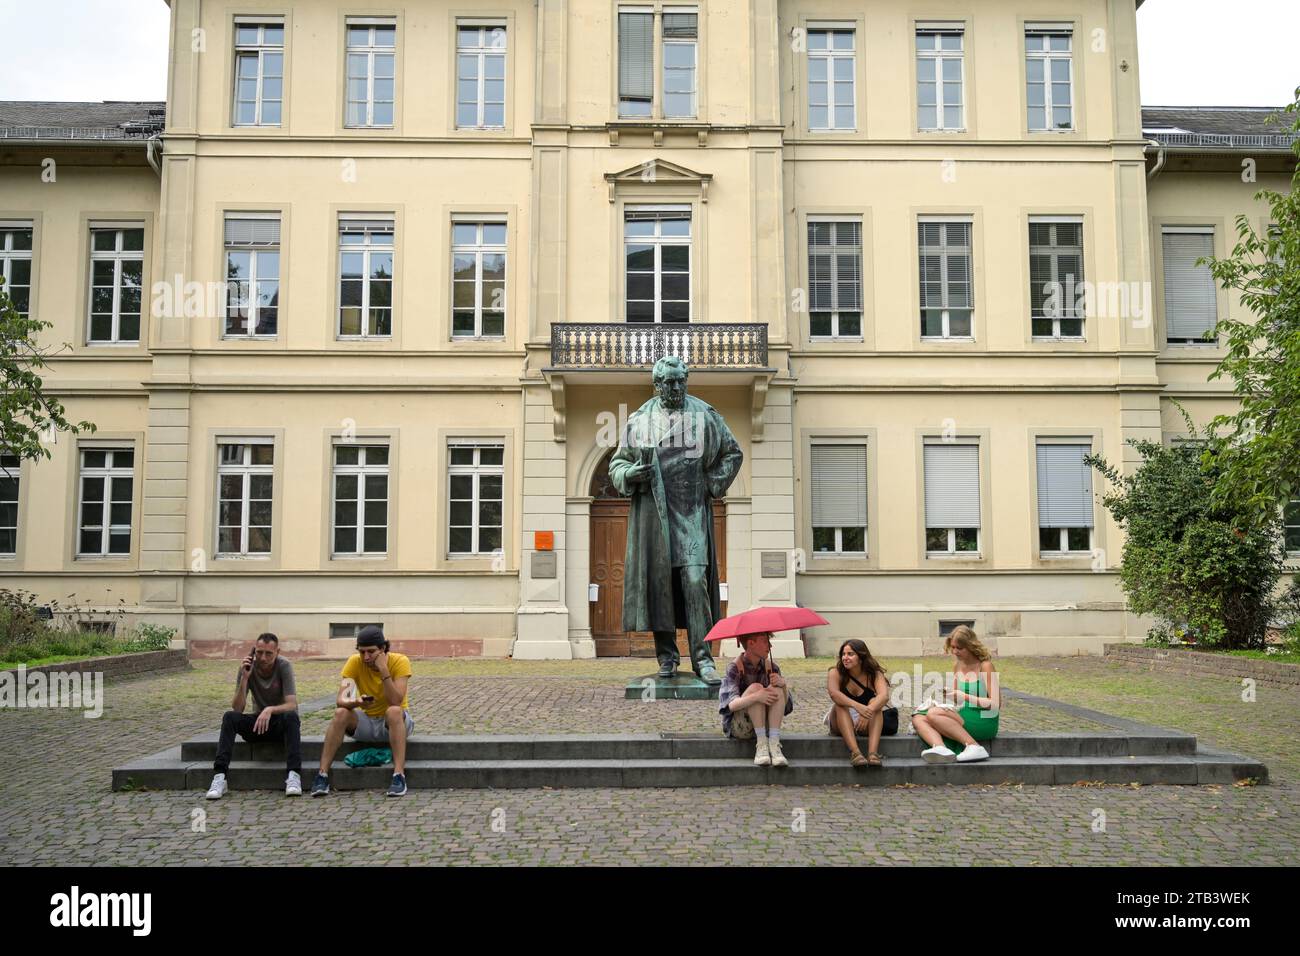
371,707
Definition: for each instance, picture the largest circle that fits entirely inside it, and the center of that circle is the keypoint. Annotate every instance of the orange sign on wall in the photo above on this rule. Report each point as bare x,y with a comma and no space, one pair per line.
543,540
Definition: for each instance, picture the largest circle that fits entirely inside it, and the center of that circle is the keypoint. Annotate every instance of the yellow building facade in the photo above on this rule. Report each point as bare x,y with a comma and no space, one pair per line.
358,323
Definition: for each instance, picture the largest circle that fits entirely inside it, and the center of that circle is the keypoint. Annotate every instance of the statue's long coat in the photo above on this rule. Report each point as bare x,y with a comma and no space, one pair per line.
648,567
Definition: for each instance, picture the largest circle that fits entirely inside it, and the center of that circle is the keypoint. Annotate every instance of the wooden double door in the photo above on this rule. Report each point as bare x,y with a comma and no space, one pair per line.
608,550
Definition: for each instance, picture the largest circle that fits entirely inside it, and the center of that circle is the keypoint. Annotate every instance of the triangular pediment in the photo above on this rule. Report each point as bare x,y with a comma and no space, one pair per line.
659,172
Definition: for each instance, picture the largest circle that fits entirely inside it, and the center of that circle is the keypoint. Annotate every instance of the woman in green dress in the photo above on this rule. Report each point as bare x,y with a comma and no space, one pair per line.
972,716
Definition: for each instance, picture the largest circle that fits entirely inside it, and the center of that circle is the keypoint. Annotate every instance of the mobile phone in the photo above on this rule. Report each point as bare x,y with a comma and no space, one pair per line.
367,698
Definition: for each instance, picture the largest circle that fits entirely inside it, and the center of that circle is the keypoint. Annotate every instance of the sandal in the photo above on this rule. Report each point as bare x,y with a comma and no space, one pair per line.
857,759
875,760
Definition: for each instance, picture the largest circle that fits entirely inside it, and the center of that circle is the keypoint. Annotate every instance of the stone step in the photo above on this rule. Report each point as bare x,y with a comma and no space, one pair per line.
167,771
709,746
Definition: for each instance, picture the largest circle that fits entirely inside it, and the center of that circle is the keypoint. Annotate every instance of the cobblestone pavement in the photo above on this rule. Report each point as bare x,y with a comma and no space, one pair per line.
56,806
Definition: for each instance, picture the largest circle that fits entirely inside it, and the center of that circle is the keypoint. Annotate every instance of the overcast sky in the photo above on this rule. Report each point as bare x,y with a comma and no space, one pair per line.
1193,52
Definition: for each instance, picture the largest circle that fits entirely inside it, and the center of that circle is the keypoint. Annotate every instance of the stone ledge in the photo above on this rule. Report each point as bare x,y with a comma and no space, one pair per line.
118,665
1199,663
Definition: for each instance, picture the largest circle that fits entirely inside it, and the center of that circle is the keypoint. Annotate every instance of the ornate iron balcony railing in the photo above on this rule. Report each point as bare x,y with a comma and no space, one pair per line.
701,345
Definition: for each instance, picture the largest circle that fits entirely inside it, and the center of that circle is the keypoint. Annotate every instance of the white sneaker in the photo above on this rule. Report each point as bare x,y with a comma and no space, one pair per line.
939,754
293,785
218,788
762,756
973,752
778,758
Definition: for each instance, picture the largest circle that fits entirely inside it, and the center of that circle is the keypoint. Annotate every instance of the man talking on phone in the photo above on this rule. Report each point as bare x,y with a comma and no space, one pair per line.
371,707
275,698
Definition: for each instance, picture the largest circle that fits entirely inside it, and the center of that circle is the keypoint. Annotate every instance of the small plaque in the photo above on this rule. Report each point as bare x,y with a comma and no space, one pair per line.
774,564
544,541
544,564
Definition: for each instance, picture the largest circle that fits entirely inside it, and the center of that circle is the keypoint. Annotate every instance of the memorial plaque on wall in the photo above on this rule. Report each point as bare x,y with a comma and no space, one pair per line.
544,564
773,564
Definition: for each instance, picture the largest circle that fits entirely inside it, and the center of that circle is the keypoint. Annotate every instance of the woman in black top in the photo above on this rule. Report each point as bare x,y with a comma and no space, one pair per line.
859,692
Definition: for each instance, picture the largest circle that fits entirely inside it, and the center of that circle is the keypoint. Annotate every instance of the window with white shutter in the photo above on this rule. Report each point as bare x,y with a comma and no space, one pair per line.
835,279
1291,525
1056,277
952,498
10,471
1191,303
947,284
839,499
636,80
1064,498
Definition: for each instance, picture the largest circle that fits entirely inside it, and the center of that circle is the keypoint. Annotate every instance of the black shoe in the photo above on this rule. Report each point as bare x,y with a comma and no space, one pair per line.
667,669
709,674
320,786
398,787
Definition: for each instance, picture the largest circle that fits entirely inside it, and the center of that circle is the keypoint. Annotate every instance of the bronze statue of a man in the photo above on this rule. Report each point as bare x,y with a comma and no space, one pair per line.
675,456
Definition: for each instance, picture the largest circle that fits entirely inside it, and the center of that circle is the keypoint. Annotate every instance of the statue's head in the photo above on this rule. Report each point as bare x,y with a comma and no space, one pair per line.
669,377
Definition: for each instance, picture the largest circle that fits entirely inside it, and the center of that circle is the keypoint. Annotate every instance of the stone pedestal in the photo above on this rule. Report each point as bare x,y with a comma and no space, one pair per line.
684,686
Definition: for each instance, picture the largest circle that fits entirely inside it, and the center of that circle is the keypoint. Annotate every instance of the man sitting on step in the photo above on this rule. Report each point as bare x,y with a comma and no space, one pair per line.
270,677
371,707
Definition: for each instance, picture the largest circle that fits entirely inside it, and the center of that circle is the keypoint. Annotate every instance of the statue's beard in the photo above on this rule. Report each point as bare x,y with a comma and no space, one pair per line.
672,401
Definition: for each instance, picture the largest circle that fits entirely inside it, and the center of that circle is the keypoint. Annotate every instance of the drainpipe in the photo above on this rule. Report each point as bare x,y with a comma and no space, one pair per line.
1160,159
149,147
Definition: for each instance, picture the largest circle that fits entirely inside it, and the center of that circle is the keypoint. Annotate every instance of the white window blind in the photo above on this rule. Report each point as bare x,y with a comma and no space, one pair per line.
839,486
952,486
1190,306
636,82
1064,487
252,232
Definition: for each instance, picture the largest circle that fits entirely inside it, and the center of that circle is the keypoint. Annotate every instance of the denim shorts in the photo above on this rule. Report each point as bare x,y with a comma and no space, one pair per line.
376,728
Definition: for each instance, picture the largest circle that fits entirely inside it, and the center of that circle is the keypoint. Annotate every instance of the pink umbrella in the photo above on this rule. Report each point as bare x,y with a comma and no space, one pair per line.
760,620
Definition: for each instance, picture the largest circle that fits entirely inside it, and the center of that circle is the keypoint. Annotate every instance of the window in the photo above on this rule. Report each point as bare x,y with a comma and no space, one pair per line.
1290,522
681,33
1191,307
1056,278
839,499
360,499
9,475
478,281
831,67
259,73
107,480
349,632
1064,498
678,85
252,276
835,279
657,246
1048,80
475,478
947,294
481,77
116,283
16,264
365,278
952,498
245,478
371,56
939,79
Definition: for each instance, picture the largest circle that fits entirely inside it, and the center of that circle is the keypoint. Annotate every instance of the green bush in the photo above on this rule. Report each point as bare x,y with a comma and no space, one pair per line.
1206,571
26,636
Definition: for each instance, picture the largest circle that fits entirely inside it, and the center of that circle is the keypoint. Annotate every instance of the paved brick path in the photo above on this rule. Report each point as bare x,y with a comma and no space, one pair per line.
56,806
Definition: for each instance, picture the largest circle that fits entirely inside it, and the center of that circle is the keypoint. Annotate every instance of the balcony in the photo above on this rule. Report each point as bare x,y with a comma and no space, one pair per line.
740,346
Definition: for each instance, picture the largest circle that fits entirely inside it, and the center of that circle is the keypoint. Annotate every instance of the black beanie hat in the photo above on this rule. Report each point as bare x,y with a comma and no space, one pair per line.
371,636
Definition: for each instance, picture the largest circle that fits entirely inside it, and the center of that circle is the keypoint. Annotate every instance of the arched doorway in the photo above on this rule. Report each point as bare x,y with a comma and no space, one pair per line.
609,514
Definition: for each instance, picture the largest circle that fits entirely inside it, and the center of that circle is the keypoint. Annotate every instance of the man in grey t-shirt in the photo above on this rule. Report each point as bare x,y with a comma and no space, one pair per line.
269,677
